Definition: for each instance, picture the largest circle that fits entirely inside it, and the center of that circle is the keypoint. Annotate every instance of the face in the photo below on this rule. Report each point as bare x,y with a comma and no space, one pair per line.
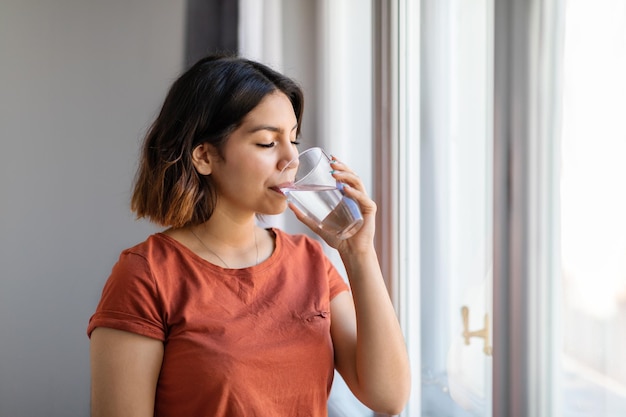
254,157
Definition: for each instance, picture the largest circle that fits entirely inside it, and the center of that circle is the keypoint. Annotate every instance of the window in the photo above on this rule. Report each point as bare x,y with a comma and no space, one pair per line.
593,203
495,154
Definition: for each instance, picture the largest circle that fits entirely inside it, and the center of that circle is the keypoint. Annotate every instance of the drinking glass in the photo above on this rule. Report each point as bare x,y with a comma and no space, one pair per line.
320,196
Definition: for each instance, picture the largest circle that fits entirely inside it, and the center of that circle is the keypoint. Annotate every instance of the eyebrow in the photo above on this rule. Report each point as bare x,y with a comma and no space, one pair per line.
270,128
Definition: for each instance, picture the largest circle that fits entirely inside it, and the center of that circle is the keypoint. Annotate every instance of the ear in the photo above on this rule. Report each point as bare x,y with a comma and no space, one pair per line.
203,157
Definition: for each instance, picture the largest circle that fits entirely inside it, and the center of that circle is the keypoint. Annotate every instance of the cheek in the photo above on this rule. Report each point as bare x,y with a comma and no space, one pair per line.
254,170
244,177
249,174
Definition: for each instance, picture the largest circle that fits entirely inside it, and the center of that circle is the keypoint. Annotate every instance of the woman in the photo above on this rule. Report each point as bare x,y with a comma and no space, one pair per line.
216,316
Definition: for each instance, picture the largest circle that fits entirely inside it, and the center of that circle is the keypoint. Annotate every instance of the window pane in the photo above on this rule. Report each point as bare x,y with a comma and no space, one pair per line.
593,209
456,207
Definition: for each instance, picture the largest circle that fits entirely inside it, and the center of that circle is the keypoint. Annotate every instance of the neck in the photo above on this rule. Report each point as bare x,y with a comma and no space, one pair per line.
229,227
227,243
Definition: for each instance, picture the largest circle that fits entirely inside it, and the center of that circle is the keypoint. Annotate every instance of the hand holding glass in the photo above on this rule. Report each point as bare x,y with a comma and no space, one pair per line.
316,193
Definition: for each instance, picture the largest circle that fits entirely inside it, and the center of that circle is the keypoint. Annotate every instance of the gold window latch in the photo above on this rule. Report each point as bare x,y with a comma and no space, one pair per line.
482,333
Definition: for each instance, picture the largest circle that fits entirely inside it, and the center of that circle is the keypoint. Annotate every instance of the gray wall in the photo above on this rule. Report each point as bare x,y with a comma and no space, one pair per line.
211,28
80,81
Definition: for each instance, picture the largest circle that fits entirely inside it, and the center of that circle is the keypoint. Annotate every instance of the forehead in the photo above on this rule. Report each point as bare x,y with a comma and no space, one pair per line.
274,108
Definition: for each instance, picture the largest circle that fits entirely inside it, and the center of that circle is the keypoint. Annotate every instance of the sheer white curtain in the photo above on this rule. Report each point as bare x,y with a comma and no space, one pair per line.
261,31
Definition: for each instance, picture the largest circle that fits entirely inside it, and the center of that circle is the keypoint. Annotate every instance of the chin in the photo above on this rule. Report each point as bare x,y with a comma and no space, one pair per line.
273,211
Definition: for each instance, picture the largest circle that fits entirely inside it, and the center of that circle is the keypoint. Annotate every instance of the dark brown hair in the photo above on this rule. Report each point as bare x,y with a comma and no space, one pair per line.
204,105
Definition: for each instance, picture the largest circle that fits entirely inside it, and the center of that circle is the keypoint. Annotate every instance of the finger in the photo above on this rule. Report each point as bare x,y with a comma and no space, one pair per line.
302,216
366,204
339,165
345,175
350,178
312,224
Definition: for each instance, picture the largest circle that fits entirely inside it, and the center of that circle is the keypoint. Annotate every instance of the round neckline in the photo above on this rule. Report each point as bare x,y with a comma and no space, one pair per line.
267,263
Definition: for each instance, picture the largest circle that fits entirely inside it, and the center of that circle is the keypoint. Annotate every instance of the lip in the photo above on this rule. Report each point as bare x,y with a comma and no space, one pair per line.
278,187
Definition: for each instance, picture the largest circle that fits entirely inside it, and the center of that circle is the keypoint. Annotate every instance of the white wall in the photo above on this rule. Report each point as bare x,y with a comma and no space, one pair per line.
80,81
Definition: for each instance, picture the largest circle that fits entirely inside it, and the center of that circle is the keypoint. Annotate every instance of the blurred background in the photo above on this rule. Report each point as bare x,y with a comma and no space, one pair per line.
489,132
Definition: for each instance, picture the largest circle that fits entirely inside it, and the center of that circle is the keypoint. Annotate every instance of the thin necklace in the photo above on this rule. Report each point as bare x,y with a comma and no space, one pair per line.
219,257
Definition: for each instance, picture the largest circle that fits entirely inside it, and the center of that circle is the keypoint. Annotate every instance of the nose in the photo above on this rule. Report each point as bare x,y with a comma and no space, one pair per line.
289,159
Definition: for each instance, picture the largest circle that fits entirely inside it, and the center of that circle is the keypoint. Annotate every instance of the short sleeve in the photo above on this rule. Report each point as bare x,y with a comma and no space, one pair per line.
130,300
336,283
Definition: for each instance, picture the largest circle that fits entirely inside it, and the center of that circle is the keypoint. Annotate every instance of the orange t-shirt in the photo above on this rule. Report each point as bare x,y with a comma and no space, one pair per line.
238,342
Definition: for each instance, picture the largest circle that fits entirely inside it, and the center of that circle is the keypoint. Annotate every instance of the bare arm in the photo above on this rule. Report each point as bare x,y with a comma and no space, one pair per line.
370,352
124,372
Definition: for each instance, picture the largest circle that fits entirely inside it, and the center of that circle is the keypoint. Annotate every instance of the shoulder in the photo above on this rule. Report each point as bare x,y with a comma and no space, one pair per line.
147,269
156,248
153,245
147,257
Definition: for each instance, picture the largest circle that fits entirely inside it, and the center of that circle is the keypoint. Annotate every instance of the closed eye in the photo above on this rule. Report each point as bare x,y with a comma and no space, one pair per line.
266,145
272,144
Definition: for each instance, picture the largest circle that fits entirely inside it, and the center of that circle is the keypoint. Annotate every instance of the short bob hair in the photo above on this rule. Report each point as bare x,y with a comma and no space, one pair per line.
204,105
